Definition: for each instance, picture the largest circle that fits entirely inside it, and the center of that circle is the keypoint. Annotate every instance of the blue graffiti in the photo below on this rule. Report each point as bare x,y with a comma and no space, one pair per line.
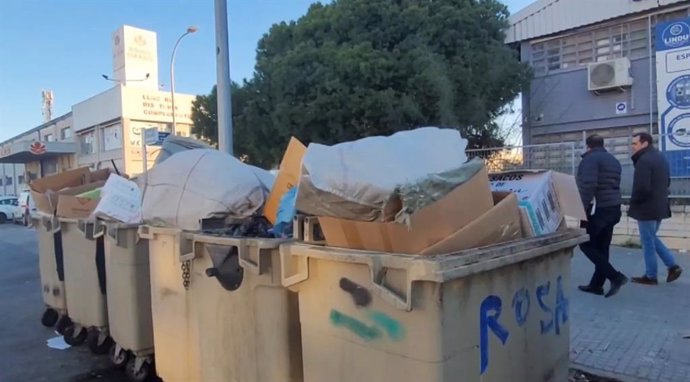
490,312
521,306
562,306
543,291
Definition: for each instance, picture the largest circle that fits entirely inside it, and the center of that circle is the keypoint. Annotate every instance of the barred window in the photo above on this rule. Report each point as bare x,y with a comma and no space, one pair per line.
607,43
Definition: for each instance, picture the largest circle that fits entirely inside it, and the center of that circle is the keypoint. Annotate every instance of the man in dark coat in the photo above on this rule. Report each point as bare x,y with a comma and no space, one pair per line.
649,205
598,180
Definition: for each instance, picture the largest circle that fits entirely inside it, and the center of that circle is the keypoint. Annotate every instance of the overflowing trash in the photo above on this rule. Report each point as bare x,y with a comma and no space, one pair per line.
200,252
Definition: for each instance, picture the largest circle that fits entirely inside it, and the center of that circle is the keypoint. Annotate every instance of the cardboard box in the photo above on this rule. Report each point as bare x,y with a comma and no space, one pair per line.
500,224
428,226
545,198
44,190
72,206
288,177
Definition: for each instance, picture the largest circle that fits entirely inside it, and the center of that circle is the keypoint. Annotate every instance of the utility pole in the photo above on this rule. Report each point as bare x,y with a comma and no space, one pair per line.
223,78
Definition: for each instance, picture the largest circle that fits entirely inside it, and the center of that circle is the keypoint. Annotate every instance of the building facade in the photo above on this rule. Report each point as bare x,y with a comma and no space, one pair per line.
601,66
105,130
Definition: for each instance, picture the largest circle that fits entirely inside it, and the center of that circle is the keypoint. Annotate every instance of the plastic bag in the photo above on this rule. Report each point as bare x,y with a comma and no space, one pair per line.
354,180
199,184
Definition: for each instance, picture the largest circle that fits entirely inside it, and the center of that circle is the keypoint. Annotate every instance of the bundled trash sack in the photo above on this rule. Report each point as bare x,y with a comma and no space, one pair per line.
412,197
355,180
198,184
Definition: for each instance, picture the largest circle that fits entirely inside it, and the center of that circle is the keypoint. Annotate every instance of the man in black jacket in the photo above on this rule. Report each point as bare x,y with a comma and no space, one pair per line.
649,205
598,180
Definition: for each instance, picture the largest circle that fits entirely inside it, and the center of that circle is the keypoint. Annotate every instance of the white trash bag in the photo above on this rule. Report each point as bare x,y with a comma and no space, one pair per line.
198,184
354,180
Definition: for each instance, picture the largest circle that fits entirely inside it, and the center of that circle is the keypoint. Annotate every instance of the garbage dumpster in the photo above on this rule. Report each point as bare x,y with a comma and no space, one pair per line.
497,313
51,268
85,280
248,322
175,334
129,300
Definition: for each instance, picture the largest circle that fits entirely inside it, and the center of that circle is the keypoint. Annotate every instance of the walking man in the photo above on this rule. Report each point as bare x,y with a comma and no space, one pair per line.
598,180
649,205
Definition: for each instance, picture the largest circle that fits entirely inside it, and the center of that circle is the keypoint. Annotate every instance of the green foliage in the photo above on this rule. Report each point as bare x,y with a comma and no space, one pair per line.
357,68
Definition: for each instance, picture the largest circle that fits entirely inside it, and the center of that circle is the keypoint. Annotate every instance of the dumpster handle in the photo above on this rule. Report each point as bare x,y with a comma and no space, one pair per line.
387,294
302,273
145,233
246,261
98,233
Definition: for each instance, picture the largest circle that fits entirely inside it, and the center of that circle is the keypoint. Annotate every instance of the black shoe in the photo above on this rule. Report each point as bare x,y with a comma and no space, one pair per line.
644,280
591,289
673,273
616,285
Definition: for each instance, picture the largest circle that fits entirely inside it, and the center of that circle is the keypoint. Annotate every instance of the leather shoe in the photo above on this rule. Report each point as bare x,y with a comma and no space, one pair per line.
673,273
616,285
645,280
591,289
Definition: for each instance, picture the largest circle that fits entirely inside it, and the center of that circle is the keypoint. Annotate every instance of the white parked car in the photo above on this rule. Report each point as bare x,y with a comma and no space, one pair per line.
25,205
7,206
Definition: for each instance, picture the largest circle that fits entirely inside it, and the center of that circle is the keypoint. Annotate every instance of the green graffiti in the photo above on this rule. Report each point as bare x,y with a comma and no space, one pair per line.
359,328
395,331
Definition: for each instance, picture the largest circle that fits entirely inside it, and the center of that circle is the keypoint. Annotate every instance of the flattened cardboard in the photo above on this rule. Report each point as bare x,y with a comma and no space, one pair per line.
500,224
44,190
74,207
428,226
288,177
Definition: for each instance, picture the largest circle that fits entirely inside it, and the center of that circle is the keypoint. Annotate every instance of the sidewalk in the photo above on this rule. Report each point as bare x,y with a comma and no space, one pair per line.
641,334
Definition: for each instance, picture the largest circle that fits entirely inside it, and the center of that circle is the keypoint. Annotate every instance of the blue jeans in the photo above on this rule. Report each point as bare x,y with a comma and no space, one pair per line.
653,246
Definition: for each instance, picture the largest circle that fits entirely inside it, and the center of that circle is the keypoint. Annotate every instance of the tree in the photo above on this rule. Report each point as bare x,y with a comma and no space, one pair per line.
205,118
357,68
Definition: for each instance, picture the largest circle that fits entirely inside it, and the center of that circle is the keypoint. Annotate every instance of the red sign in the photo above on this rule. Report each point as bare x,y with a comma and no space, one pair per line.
37,148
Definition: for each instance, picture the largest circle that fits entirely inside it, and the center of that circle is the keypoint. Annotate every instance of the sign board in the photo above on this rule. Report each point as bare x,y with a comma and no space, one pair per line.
673,89
621,108
153,137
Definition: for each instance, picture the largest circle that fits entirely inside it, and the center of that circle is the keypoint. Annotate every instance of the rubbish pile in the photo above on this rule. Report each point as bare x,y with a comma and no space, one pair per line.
214,268
413,192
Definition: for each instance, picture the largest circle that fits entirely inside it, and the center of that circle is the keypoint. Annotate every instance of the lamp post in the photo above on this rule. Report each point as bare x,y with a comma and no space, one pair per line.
190,30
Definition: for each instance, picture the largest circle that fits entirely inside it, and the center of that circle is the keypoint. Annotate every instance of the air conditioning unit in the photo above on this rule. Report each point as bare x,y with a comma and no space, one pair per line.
612,74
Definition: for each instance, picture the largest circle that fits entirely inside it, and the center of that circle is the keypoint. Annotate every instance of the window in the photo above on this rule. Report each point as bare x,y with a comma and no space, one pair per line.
8,181
87,142
579,49
65,133
20,179
49,166
112,137
48,138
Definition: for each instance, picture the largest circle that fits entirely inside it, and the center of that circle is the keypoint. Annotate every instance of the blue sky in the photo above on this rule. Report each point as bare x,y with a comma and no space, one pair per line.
64,46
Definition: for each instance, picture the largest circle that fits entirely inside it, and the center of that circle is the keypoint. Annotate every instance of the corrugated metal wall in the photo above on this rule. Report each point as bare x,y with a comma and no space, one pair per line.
545,17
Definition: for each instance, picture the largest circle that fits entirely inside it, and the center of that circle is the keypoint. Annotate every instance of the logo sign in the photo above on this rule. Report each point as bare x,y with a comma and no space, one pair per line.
674,35
679,130
621,108
37,148
678,92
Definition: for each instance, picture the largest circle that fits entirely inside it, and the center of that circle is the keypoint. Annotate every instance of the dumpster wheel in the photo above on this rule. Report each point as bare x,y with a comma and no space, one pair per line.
75,336
62,323
139,369
99,341
50,317
118,356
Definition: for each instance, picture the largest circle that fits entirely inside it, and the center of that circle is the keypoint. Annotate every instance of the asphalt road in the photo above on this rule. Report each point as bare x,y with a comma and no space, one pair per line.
24,354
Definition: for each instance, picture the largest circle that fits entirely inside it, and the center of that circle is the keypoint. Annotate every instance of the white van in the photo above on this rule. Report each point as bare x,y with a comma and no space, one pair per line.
25,209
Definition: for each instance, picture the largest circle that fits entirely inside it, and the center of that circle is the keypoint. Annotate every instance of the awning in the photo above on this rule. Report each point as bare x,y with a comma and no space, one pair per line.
25,152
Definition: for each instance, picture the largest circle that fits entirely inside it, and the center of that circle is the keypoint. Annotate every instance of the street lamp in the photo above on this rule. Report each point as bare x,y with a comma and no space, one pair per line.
190,30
